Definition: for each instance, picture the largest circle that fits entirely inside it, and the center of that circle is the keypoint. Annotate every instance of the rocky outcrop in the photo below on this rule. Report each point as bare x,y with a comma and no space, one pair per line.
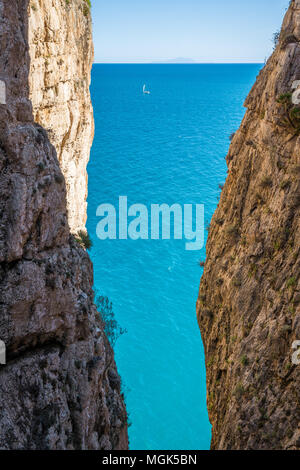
60,388
61,55
248,306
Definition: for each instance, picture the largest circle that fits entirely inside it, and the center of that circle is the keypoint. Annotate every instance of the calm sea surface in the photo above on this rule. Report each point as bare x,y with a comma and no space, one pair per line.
166,147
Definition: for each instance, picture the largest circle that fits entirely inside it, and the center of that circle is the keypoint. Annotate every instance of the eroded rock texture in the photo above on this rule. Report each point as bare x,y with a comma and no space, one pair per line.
248,305
61,55
60,388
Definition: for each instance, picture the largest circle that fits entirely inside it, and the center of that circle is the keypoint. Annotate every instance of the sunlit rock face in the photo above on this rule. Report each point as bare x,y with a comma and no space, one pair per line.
61,56
60,388
248,306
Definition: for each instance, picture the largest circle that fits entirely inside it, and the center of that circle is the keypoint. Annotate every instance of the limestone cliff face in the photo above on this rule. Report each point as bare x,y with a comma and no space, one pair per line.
60,388
248,305
61,55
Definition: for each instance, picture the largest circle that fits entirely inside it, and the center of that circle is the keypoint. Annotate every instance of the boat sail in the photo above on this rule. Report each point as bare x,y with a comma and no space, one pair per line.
146,92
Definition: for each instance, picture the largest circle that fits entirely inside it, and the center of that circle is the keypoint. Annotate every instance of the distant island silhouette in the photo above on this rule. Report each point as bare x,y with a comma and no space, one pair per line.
177,60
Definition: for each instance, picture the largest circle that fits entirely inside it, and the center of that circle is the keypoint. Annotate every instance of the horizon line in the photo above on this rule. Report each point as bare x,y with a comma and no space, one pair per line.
178,63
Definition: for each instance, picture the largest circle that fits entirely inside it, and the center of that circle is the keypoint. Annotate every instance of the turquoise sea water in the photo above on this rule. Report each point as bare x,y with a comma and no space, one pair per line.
167,147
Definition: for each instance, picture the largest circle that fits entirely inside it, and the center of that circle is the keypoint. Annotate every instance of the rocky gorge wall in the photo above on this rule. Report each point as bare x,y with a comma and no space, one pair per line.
61,56
60,388
248,306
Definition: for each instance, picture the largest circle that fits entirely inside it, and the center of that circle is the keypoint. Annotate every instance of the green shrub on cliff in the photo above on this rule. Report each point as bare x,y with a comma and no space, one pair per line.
86,8
291,282
284,98
244,360
83,238
112,328
291,112
276,37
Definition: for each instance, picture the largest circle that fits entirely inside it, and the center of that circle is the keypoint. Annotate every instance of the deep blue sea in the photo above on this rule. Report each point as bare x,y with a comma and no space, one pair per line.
166,147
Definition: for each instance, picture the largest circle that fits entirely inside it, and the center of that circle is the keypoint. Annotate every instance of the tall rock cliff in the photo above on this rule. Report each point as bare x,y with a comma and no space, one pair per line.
248,305
60,388
61,55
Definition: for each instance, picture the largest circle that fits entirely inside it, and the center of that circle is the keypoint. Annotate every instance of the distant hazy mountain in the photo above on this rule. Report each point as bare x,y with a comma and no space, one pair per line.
178,60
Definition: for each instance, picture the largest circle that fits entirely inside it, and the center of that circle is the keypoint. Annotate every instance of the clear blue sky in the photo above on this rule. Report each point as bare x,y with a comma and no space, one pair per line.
201,30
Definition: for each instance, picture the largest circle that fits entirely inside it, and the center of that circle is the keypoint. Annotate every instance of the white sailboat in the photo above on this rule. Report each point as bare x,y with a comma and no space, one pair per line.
146,92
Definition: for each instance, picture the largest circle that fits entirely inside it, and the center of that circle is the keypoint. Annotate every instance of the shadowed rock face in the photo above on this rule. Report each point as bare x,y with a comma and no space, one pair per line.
248,305
60,388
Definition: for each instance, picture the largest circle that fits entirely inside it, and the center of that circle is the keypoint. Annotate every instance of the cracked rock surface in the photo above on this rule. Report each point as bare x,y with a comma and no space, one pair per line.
60,388
248,306
61,56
